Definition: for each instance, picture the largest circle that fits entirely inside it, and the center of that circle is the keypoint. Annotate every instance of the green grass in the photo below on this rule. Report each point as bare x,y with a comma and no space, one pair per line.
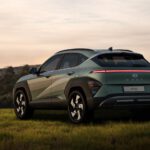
52,130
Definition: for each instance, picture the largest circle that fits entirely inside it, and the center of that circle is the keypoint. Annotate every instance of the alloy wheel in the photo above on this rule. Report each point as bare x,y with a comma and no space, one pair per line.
20,104
76,107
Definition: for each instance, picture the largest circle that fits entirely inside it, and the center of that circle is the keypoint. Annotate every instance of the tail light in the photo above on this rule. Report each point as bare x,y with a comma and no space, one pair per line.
120,71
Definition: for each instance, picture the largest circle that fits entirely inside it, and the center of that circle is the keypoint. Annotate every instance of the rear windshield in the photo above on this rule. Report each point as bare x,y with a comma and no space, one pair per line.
121,60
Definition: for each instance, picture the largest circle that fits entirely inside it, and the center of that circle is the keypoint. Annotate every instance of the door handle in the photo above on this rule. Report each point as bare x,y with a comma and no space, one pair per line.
70,73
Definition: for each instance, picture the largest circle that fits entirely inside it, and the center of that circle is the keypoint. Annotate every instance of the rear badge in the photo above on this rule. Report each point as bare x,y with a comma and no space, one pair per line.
135,75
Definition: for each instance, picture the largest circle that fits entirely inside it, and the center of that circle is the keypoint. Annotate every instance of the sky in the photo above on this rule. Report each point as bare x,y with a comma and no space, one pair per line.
33,30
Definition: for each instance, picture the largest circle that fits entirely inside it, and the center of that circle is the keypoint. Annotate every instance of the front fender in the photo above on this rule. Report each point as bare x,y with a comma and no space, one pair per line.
22,85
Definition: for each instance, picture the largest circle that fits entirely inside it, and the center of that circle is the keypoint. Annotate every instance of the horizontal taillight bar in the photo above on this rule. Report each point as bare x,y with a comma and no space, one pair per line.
120,71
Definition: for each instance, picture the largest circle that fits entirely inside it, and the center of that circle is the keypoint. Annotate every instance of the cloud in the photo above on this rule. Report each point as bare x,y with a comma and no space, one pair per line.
36,29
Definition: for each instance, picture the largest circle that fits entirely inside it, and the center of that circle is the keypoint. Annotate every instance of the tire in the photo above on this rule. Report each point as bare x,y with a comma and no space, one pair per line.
21,105
77,108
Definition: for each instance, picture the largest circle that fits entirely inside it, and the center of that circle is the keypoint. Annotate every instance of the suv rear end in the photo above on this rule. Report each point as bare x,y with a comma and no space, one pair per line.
125,80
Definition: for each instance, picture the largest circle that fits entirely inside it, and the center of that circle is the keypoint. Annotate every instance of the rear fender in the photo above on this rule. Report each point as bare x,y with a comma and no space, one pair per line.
81,82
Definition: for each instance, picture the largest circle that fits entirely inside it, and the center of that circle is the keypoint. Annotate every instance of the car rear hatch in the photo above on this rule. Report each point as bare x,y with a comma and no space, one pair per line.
124,76
123,68
125,79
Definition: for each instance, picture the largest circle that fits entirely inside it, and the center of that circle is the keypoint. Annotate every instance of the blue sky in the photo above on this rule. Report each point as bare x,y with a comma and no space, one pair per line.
32,30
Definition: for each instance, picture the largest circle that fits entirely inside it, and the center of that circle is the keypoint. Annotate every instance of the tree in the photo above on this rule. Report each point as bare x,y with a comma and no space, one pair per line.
9,71
25,70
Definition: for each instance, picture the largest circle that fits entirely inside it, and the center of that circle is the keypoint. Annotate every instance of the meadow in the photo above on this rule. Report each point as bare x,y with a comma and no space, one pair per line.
49,130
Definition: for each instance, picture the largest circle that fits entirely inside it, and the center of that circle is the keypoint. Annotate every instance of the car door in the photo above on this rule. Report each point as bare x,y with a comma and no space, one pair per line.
40,85
67,70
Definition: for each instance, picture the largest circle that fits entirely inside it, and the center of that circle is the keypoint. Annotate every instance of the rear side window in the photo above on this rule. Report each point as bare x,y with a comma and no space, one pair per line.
69,60
72,60
121,60
81,58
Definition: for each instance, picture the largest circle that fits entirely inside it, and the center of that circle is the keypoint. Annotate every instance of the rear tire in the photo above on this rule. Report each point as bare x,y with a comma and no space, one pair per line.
77,108
21,105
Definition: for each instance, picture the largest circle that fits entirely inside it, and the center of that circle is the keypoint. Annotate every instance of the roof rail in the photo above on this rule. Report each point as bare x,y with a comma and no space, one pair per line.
76,49
123,50
111,49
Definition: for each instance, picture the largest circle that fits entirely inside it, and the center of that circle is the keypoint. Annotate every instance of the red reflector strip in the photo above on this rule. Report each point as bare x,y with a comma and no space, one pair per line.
121,71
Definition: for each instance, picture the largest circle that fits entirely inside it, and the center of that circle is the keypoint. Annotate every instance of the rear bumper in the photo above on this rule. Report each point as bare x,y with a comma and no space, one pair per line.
123,101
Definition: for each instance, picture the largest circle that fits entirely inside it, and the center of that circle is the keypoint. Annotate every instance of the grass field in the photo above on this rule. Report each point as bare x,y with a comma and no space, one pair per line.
52,130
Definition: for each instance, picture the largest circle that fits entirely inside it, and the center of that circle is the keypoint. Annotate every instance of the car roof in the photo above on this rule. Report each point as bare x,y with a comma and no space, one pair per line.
93,52
85,51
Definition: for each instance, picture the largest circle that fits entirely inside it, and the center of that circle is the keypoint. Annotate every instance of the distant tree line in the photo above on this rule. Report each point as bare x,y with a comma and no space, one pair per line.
7,82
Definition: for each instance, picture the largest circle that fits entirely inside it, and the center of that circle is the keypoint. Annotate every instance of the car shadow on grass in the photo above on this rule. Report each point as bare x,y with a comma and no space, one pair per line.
126,116
50,115
100,117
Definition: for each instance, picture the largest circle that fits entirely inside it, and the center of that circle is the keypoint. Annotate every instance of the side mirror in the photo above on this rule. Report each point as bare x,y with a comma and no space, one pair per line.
33,71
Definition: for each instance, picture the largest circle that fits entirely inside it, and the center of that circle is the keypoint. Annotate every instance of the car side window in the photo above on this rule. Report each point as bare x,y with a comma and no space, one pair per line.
51,64
81,58
69,60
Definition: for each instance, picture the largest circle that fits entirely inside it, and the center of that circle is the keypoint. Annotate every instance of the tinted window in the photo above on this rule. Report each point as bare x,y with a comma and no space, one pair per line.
121,60
70,60
81,58
51,64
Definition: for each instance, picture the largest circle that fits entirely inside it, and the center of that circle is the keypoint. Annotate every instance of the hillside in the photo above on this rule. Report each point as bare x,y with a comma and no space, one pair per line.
8,78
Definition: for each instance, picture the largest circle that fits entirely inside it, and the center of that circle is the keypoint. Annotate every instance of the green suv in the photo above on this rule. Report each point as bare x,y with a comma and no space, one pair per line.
83,80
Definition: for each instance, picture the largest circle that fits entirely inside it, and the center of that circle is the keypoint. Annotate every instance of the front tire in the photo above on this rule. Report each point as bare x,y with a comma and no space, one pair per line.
21,105
77,108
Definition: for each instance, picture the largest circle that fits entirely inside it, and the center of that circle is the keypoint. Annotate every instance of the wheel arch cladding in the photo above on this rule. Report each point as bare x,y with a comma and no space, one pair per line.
80,83
22,86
